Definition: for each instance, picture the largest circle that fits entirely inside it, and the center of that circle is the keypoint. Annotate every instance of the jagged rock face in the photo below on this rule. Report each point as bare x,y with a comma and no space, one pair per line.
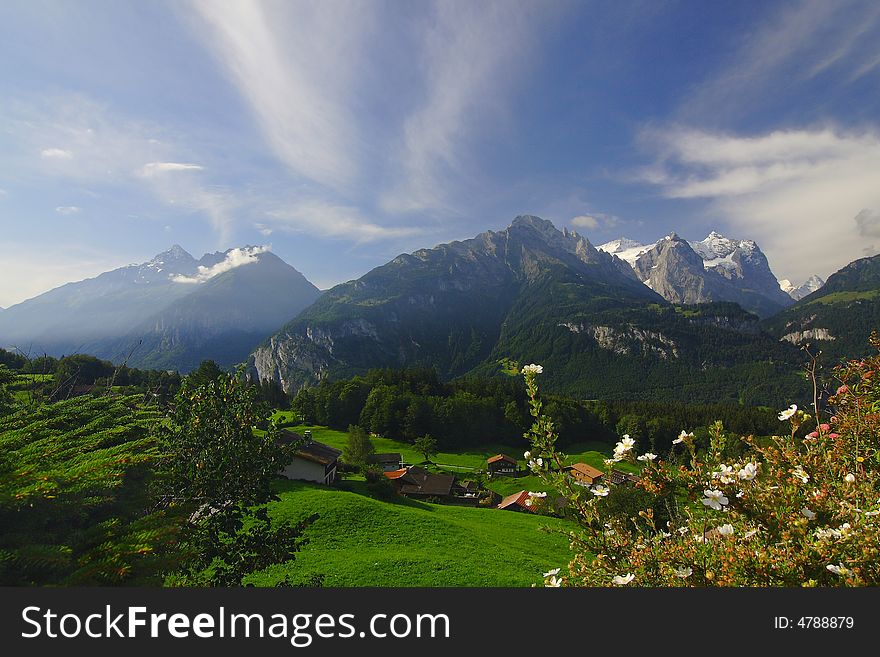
674,271
716,269
809,335
445,307
627,340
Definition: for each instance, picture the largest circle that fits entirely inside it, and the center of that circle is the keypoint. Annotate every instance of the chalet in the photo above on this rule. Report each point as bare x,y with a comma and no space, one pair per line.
501,464
584,475
516,502
417,482
388,462
312,461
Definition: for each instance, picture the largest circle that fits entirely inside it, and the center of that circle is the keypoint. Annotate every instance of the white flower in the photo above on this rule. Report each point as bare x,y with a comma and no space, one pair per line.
806,513
825,534
553,582
552,573
871,514
801,474
599,490
715,499
750,533
725,473
647,456
623,580
748,472
740,494
611,461
839,569
725,530
844,530
529,502
541,494
682,530
788,412
683,436
534,369
625,445
850,478
527,455
684,573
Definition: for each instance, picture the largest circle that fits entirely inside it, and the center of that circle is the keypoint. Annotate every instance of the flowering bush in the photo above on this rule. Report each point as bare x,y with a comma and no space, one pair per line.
802,509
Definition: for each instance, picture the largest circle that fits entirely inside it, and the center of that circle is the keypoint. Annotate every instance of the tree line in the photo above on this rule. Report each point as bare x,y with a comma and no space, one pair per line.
406,404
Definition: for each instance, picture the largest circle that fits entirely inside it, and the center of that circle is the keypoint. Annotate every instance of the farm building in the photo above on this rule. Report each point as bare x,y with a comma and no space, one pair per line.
416,482
388,462
584,475
501,464
618,477
312,461
516,502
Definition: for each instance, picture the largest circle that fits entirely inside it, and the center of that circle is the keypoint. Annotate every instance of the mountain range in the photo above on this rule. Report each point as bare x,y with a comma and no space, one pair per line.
169,312
529,293
686,320
714,269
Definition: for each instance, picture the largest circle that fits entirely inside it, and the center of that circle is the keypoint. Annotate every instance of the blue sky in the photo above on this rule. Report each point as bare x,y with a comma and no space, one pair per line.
344,133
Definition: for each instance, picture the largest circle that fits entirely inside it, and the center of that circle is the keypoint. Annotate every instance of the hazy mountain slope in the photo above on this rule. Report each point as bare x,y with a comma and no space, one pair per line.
171,312
224,318
64,319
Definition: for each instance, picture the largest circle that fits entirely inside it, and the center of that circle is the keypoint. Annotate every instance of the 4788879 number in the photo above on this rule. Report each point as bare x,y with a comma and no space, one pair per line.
815,623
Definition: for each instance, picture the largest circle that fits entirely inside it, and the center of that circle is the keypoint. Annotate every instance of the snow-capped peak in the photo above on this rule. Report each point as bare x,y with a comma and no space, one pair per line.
625,249
809,286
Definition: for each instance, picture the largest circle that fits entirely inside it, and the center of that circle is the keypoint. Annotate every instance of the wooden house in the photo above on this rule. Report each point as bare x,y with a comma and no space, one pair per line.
516,502
388,462
584,475
501,464
417,482
312,461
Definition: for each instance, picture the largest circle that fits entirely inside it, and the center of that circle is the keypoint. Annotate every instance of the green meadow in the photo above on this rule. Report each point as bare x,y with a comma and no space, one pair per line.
361,541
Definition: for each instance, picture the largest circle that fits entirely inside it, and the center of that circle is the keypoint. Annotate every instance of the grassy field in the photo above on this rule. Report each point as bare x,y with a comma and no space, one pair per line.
474,458
467,462
361,541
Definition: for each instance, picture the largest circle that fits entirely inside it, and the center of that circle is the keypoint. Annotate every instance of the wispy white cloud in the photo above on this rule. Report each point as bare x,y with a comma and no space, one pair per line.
472,55
68,209
234,258
56,154
296,66
156,168
795,43
807,196
327,219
